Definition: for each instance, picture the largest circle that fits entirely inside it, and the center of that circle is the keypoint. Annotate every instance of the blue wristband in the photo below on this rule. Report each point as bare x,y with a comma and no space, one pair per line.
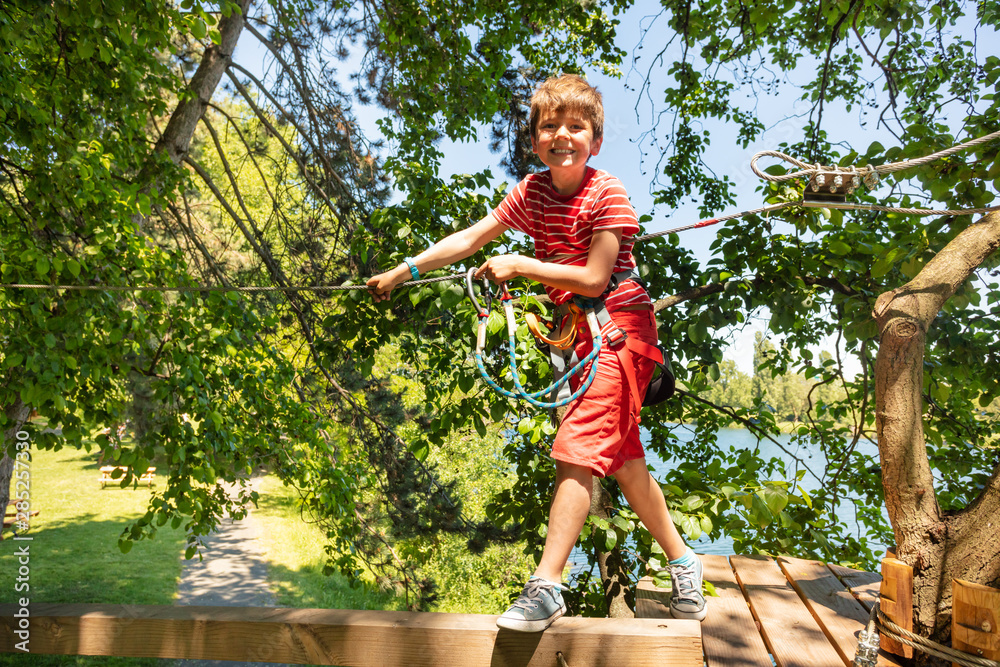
413,268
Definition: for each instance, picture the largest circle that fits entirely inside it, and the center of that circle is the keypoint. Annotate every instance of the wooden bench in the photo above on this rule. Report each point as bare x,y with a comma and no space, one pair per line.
11,514
148,477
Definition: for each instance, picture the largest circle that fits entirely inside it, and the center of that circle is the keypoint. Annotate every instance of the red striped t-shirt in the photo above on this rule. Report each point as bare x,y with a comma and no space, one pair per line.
563,226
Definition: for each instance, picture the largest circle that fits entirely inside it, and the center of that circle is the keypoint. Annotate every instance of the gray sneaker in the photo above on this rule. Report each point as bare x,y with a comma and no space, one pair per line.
686,600
538,606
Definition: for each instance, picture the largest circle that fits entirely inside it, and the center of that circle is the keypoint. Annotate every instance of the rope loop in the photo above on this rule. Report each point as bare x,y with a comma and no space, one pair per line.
870,174
868,644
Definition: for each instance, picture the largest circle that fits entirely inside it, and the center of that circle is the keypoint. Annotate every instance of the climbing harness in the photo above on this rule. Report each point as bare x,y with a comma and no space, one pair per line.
563,358
483,315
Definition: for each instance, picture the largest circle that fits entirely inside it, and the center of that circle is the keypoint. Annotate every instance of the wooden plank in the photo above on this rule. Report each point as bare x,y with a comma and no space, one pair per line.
863,585
974,620
896,602
730,635
345,637
650,601
789,630
839,615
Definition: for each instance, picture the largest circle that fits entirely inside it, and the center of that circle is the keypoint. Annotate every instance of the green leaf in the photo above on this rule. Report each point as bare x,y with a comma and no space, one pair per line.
692,503
199,29
839,248
452,296
85,50
759,512
806,497
610,539
420,450
144,204
691,526
775,499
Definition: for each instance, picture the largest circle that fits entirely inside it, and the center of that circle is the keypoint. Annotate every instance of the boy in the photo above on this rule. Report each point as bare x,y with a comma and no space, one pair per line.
582,223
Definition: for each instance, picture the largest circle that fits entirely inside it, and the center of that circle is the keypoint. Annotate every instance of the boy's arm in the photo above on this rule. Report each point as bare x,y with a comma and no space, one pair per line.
590,280
448,250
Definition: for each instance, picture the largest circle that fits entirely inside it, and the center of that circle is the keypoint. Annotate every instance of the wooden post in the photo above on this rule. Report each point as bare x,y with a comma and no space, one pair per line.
896,602
975,615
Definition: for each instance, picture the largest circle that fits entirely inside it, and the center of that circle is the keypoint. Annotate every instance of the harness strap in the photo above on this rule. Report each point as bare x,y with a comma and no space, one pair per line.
625,352
560,349
615,335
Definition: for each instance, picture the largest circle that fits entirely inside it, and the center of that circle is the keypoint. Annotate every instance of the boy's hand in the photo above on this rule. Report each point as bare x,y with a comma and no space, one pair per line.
381,286
501,268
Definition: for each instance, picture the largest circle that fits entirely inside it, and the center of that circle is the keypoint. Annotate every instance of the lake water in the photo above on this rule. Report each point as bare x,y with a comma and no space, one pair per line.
744,439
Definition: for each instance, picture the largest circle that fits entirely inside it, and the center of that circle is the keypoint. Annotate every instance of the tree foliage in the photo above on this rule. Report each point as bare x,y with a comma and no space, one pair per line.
101,184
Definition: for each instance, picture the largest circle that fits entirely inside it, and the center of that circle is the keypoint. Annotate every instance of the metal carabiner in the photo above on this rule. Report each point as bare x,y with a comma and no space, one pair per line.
482,312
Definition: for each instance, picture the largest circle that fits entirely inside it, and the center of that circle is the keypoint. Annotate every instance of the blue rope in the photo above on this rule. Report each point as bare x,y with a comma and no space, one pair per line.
531,398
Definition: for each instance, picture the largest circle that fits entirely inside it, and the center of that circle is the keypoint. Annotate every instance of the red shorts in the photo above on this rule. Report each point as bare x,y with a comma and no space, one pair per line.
600,430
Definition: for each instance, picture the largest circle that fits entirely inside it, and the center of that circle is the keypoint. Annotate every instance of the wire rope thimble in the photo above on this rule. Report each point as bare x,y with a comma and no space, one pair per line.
413,267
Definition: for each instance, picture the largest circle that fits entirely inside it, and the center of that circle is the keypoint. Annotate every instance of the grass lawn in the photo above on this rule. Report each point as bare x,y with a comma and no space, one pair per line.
294,551
468,584
74,551
75,556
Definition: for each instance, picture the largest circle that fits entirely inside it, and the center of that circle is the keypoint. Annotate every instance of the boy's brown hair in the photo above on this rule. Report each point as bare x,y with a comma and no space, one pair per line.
572,93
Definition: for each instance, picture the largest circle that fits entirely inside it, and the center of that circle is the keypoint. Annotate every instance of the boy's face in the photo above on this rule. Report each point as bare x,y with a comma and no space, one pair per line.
565,140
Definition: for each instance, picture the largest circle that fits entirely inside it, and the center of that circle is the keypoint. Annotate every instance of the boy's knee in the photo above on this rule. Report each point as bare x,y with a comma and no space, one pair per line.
631,468
565,470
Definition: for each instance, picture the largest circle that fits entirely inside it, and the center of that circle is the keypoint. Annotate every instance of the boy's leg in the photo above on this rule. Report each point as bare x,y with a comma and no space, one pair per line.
646,499
541,601
570,507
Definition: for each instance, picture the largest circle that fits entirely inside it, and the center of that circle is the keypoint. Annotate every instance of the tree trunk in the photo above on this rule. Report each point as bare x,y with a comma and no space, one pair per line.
939,547
614,577
176,139
17,414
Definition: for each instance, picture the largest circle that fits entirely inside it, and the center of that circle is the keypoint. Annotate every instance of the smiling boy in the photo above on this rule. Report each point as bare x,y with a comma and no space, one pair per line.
583,226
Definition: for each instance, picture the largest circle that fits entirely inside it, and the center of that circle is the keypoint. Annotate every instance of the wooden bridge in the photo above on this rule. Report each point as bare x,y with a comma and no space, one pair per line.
800,613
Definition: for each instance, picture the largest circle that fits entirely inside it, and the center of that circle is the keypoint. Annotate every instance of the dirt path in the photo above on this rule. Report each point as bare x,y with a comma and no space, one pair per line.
232,573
